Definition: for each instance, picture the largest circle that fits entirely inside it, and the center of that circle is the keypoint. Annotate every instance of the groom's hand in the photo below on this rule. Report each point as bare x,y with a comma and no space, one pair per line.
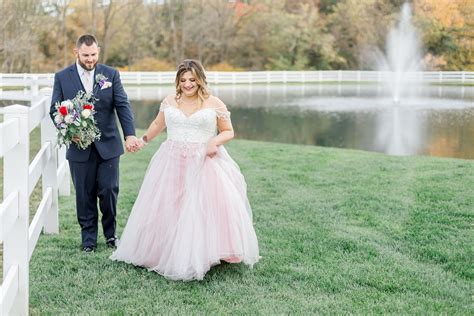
132,144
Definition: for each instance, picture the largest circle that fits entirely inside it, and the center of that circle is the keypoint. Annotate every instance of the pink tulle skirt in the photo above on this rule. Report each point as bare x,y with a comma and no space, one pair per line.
191,212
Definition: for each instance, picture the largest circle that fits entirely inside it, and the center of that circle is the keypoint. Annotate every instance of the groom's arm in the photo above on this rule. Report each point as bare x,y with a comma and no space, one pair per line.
57,96
122,107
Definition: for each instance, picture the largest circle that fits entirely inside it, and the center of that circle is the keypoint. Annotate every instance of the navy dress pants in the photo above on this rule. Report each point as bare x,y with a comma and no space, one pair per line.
96,180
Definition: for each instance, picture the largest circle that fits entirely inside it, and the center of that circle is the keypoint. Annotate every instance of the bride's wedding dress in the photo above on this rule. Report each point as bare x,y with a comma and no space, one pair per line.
192,211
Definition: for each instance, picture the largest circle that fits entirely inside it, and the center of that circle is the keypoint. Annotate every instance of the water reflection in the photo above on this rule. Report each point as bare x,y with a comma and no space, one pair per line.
399,131
360,117
271,94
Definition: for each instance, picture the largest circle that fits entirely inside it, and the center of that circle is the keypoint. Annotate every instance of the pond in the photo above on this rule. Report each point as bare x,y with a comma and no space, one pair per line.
439,122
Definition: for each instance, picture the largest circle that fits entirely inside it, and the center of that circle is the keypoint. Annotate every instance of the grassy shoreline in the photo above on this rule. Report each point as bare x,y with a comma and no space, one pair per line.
340,231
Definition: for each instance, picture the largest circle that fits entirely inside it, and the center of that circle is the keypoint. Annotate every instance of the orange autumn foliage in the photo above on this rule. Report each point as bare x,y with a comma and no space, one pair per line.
446,12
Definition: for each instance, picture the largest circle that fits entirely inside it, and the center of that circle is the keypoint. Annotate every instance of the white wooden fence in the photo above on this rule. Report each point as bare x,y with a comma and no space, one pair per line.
31,83
19,237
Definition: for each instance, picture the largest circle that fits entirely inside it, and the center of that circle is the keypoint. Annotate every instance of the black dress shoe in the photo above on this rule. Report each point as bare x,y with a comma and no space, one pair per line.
88,249
112,242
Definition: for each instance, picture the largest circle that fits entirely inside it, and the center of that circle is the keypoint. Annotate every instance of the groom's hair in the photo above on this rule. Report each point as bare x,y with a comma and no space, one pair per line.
87,39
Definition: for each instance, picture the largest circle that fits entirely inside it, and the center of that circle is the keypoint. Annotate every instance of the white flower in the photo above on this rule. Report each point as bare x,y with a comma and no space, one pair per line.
68,104
86,113
100,77
58,119
68,119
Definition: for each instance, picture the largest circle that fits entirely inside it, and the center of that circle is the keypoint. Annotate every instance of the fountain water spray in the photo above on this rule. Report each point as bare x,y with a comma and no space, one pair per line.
402,61
401,65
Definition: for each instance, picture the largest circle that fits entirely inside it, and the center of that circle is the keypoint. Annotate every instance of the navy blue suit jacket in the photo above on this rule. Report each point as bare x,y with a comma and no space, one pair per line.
110,101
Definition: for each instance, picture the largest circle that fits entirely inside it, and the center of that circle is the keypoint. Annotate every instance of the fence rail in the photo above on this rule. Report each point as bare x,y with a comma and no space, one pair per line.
140,78
19,237
32,83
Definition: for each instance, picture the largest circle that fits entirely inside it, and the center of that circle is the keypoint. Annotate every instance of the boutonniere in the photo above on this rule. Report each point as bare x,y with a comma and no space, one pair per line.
101,80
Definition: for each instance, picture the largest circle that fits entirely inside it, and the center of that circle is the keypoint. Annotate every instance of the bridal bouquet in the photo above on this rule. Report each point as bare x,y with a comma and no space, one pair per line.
75,118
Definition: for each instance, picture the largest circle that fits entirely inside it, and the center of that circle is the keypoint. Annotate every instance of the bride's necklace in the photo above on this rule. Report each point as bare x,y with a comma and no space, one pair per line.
189,103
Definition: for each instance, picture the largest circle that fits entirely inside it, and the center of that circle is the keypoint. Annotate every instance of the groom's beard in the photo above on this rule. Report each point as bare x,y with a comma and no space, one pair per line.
87,67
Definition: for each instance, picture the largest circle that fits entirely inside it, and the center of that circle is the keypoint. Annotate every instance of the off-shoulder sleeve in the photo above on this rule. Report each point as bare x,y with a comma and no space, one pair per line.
165,104
222,112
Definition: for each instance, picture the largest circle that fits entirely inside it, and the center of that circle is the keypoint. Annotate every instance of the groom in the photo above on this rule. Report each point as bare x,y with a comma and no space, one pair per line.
95,170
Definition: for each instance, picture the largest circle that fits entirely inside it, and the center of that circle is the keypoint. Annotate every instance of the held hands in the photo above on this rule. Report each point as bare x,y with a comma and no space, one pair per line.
133,144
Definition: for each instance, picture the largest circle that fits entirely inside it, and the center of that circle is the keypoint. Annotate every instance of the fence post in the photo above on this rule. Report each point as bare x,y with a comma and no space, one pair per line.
50,179
34,85
64,183
15,179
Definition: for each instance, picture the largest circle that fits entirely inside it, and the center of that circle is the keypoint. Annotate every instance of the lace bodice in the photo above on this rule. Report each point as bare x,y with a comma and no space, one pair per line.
198,127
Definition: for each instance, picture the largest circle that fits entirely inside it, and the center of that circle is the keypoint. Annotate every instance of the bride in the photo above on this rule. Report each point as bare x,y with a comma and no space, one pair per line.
192,210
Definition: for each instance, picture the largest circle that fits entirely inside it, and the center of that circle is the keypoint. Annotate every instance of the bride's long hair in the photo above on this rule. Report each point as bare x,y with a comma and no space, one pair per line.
196,68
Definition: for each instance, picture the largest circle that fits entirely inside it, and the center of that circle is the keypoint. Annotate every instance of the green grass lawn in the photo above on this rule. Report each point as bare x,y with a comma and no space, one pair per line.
340,231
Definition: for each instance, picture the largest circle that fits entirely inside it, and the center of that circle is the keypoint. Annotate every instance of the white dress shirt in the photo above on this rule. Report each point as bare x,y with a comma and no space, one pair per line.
87,77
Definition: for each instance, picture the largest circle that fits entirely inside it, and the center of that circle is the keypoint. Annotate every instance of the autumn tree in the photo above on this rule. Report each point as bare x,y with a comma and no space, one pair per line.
447,27
18,23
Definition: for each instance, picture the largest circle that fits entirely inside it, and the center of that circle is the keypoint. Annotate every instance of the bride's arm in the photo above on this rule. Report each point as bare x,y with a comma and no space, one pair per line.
226,131
155,128
224,126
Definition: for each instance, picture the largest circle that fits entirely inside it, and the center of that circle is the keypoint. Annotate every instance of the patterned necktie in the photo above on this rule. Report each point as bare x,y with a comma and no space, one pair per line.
86,80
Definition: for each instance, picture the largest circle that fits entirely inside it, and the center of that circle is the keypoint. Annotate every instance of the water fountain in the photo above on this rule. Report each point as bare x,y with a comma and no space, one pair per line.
402,61
398,126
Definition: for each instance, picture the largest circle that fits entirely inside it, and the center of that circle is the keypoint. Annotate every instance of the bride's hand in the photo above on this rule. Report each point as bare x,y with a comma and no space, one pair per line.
211,150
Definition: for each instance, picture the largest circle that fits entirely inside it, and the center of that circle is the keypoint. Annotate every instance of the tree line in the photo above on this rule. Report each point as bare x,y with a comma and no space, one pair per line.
154,35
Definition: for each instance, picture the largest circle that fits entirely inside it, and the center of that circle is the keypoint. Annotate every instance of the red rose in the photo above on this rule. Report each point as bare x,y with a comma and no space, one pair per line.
63,110
88,107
